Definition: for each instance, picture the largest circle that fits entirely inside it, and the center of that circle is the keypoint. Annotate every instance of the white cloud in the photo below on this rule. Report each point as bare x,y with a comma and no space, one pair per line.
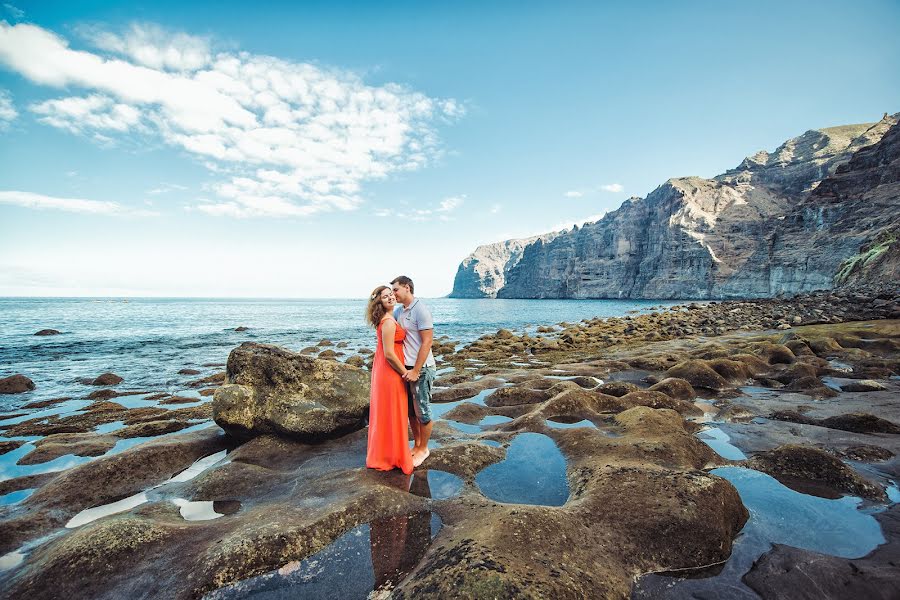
579,223
290,139
441,212
451,204
41,202
610,187
88,114
152,46
495,209
8,112
17,13
165,188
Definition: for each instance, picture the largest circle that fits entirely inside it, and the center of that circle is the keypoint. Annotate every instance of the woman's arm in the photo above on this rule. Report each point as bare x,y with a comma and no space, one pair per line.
388,329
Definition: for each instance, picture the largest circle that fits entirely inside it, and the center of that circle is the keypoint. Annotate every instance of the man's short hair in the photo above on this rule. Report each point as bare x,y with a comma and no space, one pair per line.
404,280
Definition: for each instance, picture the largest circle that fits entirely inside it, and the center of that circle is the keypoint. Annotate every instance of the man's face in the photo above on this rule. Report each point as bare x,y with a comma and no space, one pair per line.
402,293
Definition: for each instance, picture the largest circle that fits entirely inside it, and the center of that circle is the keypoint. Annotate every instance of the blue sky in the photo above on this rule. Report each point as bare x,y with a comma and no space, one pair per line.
316,149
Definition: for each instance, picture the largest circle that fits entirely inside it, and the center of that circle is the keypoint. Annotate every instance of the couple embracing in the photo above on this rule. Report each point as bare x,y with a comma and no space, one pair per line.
403,372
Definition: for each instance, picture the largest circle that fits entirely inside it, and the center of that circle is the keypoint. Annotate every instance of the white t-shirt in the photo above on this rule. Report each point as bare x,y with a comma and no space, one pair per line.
414,319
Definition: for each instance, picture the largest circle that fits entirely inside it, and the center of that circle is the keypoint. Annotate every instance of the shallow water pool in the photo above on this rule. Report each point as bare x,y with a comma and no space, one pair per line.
534,472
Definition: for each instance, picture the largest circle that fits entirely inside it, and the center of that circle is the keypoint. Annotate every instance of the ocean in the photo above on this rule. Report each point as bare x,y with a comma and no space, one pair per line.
148,340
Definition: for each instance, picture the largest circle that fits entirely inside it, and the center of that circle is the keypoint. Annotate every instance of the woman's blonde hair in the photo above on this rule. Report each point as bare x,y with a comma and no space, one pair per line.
375,309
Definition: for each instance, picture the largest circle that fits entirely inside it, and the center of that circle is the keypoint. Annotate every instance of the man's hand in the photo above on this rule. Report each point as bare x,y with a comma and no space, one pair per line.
412,375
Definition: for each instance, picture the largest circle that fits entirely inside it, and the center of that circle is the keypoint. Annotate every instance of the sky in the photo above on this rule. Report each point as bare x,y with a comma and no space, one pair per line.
318,149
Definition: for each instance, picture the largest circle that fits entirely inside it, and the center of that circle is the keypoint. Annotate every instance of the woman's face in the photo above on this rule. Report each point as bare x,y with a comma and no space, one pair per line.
388,301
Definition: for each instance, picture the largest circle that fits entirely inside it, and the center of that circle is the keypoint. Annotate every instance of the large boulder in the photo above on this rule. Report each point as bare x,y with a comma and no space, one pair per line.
270,389
107,379
15,384
699,374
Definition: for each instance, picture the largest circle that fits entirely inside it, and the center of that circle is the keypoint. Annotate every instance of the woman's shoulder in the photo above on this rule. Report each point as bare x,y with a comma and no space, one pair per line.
387,317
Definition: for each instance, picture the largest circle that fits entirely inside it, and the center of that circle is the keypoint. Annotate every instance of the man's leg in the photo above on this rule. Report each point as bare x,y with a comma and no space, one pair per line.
416,430
425,434
412,410
423,401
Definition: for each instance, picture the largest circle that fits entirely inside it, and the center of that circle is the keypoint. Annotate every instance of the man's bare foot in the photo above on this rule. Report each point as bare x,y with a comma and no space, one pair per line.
419,458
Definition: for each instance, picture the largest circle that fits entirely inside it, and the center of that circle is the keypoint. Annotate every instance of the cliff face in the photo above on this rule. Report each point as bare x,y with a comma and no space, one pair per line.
778,223
483,272
852,219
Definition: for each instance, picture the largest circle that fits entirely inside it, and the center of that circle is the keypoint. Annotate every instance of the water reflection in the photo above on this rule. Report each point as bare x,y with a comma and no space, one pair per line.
533,472
397,544
438,485
720,442
778,515
567,422
372,556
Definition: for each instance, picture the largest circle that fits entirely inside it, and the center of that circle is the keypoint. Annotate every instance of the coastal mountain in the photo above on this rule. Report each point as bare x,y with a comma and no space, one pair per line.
780,222
483,273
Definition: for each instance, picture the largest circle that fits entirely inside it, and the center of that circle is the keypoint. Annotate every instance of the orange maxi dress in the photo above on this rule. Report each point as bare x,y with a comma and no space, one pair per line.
388,445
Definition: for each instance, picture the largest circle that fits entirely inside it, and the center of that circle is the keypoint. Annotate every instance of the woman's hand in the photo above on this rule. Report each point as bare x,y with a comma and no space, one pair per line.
387,341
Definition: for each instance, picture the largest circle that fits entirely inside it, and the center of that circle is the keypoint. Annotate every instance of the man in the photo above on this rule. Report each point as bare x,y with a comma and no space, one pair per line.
416,319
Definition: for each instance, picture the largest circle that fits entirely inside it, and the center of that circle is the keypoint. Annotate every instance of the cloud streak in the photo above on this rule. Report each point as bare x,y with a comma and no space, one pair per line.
609,187
77,205
579,222
442,212
285,139
8,112
17,13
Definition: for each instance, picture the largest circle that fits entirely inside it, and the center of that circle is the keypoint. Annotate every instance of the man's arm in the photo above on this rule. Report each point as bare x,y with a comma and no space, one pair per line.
422,356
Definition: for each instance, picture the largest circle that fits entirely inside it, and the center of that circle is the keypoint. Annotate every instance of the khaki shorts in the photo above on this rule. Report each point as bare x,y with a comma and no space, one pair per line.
419,394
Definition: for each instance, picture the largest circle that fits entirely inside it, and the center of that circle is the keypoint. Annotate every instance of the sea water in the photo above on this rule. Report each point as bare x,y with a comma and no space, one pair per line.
148,340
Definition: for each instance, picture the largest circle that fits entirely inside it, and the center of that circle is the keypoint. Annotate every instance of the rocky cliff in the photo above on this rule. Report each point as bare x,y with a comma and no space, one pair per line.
483,272
780,222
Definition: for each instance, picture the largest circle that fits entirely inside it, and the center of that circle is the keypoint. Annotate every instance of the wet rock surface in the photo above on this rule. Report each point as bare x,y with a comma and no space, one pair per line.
107,379
636,491
15,384
786,572
47,332
271,389
799,467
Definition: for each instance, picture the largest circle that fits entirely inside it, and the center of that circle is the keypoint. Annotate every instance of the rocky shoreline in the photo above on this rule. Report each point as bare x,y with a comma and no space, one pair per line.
571,463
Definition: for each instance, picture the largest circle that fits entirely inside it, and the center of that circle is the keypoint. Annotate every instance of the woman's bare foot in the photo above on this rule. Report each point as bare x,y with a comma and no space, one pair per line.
419,458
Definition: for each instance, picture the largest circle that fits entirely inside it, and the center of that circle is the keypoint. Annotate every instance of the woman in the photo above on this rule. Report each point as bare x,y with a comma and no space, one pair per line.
388,422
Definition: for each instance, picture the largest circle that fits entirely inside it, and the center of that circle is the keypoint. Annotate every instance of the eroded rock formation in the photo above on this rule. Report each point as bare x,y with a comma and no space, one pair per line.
805,217
273,390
